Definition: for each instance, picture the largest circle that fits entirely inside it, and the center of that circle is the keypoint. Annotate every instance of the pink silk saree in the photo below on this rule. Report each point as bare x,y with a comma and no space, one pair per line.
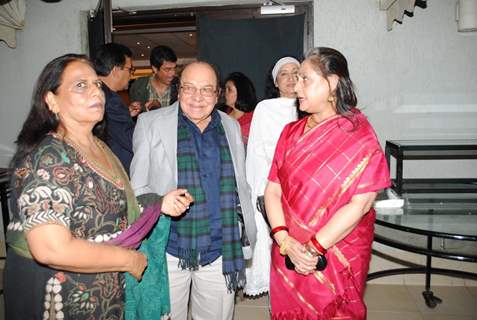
319,172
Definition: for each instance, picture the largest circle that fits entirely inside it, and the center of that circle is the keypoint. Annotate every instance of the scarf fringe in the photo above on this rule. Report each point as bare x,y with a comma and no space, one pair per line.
188,259
235,280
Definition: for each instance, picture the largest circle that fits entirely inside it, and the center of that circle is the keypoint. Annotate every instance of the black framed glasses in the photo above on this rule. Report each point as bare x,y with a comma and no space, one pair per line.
131,70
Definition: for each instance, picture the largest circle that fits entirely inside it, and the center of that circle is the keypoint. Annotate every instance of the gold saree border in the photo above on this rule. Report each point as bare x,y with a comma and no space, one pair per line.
298,294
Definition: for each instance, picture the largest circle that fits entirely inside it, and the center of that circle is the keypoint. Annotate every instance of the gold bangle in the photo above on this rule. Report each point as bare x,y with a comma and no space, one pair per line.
284,246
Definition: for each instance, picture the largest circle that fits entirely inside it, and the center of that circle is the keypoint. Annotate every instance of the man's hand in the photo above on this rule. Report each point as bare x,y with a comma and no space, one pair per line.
176,202
134,108
152,104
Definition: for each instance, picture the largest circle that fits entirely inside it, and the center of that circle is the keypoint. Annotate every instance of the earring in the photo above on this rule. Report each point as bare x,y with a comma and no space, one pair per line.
55,114
331,99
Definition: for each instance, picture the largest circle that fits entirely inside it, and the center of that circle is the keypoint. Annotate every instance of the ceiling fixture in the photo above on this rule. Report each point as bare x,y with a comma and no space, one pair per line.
466,15
275,7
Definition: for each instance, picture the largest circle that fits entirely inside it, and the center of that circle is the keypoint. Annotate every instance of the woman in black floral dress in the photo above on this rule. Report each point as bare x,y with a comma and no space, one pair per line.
70,195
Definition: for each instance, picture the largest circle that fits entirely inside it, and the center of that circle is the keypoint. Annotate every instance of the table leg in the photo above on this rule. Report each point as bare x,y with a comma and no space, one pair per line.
399,172
429,297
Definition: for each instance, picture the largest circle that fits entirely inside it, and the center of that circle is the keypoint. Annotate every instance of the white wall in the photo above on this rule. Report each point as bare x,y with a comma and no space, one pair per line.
417,81
51,30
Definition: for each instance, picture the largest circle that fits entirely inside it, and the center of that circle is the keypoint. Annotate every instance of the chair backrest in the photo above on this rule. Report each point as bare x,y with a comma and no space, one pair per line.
4,195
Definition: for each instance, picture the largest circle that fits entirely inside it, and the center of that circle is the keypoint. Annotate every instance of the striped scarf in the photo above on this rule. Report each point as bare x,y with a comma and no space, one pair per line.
193,230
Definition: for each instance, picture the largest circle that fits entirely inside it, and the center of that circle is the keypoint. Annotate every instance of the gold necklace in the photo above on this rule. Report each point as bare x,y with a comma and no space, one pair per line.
313,122
113,172
110,174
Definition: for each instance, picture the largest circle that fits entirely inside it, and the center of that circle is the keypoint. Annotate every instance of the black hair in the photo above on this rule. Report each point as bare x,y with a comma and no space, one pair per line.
246,96
327,61
41,120
160,54
271,91
110,55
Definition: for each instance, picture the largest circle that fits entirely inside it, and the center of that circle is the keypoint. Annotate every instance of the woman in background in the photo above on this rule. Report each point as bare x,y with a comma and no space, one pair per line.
241,98
270,116
326,172
70,198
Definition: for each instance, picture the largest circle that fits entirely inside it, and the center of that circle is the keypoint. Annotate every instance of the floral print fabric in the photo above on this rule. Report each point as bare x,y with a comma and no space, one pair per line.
55,184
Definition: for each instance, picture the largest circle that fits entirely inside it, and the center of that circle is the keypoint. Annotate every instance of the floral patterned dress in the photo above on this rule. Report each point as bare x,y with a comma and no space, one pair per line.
55,184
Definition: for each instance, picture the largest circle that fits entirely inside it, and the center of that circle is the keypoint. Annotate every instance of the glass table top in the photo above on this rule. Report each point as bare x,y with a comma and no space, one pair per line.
448,142
453,216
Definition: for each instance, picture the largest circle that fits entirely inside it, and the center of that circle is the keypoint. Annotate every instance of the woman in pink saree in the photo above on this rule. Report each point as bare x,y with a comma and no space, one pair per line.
327,170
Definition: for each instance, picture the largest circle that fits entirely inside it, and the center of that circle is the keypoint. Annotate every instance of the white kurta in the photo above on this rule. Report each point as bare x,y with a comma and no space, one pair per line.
269,119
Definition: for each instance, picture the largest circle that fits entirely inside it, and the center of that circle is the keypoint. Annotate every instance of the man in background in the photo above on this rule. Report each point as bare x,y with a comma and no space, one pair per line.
113,64
160,89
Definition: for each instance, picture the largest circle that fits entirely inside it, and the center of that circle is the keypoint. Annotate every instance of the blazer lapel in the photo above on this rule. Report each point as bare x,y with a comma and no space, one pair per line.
167,129
231,138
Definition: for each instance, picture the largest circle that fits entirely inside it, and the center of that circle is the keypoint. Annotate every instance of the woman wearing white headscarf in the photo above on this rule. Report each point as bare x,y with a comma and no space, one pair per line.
269,119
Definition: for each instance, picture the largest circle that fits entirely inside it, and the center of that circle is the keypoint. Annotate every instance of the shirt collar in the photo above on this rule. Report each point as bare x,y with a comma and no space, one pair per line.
214,122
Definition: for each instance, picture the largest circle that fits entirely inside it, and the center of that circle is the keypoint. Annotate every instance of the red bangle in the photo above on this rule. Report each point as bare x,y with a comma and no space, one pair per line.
278,229
317,246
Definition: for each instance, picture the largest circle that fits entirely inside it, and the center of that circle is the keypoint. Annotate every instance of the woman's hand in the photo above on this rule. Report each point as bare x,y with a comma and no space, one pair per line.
138,264
304,262
176,202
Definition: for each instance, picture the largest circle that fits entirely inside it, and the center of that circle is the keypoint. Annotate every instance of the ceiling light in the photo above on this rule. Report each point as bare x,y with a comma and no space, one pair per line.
280,9
138,43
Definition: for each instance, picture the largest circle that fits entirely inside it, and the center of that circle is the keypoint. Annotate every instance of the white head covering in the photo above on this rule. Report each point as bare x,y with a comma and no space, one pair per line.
280,63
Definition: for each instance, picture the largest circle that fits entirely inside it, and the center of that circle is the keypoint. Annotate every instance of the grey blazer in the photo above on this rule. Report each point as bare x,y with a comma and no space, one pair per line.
154,165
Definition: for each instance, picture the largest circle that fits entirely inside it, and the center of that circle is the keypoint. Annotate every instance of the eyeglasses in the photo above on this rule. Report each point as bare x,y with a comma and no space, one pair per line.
207,92
130,69
168,70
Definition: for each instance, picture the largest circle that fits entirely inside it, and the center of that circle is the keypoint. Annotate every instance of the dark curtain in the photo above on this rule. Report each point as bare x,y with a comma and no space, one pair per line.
250,46
99,29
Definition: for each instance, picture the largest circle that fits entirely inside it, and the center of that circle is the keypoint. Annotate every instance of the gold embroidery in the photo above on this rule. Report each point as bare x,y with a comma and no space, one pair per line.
299,295
354,174
325,281
346,184
300,223
341,257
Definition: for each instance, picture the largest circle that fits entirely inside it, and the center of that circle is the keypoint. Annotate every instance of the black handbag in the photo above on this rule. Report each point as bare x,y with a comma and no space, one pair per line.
243,234
261,208
321,264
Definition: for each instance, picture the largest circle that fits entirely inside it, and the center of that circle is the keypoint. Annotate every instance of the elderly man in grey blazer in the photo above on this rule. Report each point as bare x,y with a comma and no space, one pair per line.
193,146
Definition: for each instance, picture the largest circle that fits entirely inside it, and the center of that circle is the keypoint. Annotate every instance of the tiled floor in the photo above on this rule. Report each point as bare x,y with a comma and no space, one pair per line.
392,302
385,302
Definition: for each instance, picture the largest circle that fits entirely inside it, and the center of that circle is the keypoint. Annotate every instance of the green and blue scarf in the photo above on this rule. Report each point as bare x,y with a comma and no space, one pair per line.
193,230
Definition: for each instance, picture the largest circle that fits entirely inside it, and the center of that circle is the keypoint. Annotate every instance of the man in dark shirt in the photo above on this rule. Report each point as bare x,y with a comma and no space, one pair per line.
114,67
